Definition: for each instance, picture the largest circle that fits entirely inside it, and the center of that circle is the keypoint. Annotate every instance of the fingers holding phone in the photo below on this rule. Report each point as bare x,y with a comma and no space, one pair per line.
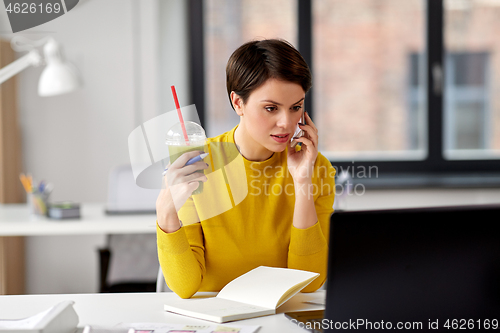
309,129
298,132
301,162
306,129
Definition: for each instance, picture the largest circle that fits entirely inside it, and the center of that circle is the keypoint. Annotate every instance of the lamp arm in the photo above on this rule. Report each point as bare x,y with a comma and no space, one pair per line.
33,58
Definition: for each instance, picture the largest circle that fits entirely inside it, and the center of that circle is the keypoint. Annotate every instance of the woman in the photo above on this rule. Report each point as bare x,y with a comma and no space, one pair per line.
284,219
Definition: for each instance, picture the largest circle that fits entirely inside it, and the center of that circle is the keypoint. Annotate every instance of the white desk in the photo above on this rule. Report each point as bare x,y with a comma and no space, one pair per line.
111,309
46,262
15,220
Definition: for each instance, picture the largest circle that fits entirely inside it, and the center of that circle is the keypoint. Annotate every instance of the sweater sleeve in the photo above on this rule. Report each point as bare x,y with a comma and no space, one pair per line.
308,248
182,258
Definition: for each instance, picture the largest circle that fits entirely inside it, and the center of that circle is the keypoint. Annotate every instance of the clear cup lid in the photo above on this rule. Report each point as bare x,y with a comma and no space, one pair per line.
195,133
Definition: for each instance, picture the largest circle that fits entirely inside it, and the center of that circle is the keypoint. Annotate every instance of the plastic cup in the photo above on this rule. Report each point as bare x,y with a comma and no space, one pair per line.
177,144
37,203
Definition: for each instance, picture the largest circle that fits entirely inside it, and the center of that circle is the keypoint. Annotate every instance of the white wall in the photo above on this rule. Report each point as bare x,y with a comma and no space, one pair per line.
174,54
73,140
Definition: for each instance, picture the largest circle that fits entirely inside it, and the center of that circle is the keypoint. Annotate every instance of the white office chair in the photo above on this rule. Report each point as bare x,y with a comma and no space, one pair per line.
344,184
161,285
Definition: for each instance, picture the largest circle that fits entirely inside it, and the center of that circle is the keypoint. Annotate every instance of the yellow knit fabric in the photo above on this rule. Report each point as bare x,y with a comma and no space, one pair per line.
254,230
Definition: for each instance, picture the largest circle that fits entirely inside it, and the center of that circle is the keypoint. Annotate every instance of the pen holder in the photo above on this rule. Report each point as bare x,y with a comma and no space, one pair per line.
37,203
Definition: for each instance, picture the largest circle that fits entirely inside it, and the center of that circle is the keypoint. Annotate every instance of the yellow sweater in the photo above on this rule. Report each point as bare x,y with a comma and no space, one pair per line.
239,232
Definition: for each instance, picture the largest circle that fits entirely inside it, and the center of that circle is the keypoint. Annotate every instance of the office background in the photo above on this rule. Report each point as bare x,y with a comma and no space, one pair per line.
74,140
128,53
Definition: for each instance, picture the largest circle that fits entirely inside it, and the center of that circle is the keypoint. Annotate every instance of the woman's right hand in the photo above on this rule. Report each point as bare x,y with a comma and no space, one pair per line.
179,183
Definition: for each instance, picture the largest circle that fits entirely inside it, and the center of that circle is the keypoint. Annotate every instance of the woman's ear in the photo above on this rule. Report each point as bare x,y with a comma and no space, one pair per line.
237,103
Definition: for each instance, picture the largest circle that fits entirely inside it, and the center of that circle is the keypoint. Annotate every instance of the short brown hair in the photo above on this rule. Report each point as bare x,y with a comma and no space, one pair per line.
255,62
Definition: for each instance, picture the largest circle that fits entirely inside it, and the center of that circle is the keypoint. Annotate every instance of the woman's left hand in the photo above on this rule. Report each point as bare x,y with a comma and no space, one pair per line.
301,163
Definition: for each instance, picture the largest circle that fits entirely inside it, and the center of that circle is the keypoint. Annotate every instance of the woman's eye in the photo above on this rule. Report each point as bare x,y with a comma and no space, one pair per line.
270,108
297,107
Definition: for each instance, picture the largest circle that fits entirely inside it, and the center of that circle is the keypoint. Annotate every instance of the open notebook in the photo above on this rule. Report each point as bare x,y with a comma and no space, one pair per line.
254,294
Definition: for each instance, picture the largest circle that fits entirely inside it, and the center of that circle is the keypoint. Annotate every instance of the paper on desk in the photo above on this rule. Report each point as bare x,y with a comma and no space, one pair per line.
173,328
59,317
26,323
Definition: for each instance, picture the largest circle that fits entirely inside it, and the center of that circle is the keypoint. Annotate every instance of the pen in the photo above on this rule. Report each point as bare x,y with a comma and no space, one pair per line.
48,188
191,161
26,183
41,186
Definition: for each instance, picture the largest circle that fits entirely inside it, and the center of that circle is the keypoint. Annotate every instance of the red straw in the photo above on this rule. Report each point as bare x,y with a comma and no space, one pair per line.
180,115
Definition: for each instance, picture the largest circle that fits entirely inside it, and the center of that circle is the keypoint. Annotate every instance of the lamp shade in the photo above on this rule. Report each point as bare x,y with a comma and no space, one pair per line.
57,77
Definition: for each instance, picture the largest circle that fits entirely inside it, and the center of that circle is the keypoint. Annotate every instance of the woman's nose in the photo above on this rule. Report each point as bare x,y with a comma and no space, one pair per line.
285,120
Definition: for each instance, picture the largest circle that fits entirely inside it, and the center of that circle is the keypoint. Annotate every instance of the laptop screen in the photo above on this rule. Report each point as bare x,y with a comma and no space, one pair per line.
398,268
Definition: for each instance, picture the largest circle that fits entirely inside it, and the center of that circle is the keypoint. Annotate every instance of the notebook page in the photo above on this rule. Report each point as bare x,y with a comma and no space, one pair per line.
264,286
216,309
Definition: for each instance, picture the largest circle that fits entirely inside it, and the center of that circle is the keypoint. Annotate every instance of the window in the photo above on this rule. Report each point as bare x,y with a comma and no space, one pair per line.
228,24
472,77
411,87
361,74
466,103
416,99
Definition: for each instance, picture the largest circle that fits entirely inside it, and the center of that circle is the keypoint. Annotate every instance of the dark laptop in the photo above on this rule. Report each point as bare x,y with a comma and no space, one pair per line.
425,270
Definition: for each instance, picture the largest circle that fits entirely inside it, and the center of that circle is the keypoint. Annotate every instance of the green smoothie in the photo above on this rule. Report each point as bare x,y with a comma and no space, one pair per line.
175,151
177,145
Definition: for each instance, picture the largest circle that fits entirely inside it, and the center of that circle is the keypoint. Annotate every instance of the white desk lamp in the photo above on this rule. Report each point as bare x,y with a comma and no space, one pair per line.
57,77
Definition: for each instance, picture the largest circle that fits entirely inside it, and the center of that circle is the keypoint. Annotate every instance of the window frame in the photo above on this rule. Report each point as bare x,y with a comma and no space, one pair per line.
432,171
